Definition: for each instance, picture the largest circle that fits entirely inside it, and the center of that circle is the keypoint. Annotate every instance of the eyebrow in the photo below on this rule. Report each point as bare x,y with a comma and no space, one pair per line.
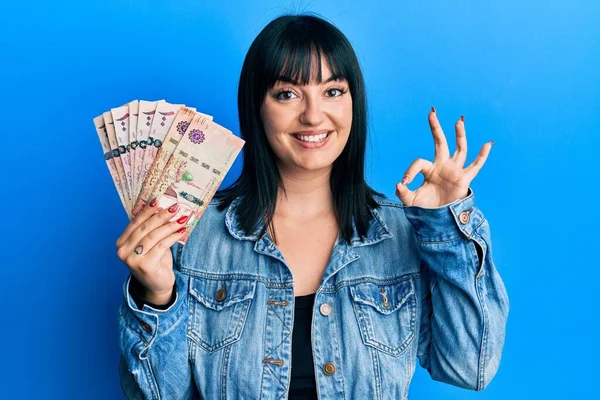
288,79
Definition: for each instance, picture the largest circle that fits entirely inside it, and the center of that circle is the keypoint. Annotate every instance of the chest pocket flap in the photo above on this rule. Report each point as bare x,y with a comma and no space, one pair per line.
218,310
386,314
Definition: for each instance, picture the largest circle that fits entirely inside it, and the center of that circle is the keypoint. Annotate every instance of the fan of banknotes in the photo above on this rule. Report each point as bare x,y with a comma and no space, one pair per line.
154,149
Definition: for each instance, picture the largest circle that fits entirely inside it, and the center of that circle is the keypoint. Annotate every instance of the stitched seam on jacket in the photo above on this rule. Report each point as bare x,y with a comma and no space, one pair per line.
151,380
224,366
482,352
376,372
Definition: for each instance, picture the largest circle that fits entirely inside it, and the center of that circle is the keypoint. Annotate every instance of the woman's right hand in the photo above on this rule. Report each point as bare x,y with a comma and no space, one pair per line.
145,247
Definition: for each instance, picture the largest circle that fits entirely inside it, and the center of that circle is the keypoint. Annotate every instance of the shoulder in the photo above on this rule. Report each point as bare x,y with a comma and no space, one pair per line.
211,223
391,213
389,207
387,202
213,215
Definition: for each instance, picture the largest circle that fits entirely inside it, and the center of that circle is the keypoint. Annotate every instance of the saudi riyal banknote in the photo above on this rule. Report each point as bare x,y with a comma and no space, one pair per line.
109,155
177,130
163,119
118,151
196,169
121,122
134,107
147,109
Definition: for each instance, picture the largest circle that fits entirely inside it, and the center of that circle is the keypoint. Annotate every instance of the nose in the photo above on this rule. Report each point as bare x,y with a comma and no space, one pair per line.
312,114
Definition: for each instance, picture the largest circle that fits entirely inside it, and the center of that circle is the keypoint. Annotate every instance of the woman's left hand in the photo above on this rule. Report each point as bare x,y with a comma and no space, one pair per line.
445,179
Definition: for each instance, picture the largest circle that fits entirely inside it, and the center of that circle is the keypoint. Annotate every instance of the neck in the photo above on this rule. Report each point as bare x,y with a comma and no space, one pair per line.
307,194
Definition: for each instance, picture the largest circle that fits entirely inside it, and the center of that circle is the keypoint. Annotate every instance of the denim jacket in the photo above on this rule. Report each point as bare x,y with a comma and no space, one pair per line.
422,284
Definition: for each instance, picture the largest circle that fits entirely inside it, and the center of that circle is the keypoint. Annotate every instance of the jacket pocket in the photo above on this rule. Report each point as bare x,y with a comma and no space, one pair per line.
218,311
386,315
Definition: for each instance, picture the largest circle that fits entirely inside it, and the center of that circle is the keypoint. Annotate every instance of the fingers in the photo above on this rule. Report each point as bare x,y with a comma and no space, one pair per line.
158,249
402,191
405,195
417,166
146,234
149,210
441,145
472,170
151,247
460,155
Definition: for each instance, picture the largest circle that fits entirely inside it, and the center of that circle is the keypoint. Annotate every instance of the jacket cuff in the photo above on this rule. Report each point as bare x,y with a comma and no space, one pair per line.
448,222
148,322
135,290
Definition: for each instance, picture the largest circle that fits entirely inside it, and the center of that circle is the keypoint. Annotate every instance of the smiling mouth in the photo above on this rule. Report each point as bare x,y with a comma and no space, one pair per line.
312,138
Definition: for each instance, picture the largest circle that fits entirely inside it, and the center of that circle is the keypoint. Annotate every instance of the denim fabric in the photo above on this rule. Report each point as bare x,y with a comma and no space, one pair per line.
422,284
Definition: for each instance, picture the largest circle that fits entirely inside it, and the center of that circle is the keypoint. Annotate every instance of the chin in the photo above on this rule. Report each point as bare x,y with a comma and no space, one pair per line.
314,167
316,163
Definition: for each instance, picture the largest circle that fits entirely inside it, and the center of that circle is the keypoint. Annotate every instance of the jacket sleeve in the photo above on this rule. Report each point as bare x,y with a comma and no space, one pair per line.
153,362
464,306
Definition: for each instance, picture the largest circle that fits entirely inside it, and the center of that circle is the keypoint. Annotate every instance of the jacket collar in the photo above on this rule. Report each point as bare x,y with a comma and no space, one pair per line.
377,231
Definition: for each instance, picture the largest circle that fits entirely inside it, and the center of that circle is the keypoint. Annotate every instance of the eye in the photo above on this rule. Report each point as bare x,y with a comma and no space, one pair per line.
285,94
335,92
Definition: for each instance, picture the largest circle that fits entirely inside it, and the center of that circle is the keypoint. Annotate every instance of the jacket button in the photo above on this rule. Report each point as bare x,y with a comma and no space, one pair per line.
325,309
146,327
329,368
221,294
464,216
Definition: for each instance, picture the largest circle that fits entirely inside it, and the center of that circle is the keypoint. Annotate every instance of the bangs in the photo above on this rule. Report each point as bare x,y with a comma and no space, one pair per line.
301,66
297,54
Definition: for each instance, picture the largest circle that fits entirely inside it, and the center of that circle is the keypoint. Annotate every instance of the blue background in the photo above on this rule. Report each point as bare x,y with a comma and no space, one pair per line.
524,74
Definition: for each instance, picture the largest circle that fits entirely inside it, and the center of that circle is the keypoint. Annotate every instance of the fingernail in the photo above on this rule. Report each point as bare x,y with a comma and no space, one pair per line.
492,142
153,202
173,208
433,109
182,219
181,230
462,118
404,180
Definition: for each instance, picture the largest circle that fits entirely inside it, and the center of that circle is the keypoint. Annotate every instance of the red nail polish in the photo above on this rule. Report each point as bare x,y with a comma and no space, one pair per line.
181,230
433,109
182,219
173,208
153,202
462,118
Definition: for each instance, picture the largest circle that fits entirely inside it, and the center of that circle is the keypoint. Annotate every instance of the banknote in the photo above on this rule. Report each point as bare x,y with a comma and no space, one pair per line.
121,121
196,169
175,133
161,123
134,107
108,156
117,153
147,110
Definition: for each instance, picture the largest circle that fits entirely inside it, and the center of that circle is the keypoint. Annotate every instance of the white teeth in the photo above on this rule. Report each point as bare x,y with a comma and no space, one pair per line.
313,138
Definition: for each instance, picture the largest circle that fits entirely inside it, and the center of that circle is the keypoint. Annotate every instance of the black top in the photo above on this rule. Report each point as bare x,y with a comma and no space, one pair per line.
302,383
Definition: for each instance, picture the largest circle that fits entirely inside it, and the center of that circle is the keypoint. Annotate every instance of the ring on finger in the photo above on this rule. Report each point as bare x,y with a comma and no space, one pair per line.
139,249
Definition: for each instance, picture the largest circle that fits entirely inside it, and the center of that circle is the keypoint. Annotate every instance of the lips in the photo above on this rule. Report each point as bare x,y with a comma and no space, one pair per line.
312,139
309,136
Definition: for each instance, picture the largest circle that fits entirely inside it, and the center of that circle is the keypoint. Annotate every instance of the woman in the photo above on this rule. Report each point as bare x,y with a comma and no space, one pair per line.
300,279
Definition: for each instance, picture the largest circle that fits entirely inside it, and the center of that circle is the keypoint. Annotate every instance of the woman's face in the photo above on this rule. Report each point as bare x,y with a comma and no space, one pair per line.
307,126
